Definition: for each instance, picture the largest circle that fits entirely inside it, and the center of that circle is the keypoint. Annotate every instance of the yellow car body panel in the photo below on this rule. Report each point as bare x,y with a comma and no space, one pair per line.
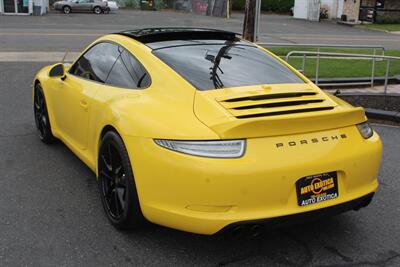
204,195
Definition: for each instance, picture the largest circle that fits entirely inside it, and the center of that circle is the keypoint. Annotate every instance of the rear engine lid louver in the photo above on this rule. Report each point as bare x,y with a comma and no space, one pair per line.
274,104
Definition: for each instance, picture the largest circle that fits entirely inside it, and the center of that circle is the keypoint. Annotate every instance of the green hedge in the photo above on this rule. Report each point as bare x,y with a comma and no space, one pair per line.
393,18
266,5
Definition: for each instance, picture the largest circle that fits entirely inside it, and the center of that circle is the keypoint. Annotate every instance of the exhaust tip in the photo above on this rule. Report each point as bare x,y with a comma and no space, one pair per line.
237,231
256,230
364,204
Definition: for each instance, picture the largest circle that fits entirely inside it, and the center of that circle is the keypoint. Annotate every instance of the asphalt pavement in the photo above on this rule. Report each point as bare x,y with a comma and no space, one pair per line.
50,210
51,214
58,32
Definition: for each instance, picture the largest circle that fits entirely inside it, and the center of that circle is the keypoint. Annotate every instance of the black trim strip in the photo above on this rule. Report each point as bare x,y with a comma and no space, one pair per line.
268,96
151,35
280,104
284,112
288,220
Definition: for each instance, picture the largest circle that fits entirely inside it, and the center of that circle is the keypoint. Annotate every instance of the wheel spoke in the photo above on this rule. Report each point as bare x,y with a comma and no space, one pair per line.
37,115
120,194
40,125
44,121
110,158
105,175
37,97
117,170
108,165
41,101
107,194
116,201
112,173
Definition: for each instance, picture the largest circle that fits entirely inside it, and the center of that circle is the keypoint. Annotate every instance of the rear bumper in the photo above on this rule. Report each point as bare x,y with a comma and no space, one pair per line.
250,226
205,195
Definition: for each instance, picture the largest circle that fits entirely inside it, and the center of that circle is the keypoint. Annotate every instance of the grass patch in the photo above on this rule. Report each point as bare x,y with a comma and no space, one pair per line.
341,68
384,27
345,68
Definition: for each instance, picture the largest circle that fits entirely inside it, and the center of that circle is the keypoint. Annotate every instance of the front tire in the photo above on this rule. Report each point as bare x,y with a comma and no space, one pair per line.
66,10
42,120
117,184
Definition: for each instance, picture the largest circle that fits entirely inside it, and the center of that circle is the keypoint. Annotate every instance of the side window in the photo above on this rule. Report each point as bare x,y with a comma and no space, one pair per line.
97,62
128,72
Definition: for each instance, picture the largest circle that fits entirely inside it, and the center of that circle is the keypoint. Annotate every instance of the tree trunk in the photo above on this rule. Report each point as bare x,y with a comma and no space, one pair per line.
249,20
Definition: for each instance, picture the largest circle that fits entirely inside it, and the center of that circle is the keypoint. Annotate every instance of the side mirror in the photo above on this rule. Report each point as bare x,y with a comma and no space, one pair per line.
57,71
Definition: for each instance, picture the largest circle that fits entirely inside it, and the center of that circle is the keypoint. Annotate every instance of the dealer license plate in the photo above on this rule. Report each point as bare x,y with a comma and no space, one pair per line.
317,188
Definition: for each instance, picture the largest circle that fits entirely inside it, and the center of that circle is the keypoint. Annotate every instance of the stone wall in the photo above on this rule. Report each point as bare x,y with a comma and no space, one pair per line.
351,9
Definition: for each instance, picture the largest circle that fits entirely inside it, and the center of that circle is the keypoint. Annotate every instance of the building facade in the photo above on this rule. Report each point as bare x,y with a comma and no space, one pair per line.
24,7
333,8
380,11
353,11
311,9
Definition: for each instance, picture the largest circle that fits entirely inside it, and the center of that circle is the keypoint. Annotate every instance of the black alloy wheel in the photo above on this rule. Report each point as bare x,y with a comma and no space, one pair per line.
41,116
117,185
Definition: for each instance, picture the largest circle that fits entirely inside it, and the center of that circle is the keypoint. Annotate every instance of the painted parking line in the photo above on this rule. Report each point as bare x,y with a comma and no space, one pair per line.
47,34
388,37
346,39
288,36
37,56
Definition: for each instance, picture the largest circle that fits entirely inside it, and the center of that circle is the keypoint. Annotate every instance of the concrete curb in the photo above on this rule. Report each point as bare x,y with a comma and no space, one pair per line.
383,114
381,79
361,26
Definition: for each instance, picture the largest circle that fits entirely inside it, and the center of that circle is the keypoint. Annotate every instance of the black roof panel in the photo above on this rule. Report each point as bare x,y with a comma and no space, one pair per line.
151,35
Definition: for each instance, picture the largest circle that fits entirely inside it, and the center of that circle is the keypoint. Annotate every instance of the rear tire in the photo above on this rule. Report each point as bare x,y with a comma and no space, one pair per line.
117,184
66,9
97,10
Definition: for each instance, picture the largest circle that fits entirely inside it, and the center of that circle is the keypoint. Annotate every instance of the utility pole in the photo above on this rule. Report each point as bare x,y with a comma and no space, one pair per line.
251,20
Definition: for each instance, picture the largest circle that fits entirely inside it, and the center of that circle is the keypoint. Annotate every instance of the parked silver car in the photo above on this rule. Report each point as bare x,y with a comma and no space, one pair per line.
69,6
113,5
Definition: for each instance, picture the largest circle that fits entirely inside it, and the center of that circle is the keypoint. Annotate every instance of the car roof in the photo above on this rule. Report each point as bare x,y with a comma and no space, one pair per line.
165,37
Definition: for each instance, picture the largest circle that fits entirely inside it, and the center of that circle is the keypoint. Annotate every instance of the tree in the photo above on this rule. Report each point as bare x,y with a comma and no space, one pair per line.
249,20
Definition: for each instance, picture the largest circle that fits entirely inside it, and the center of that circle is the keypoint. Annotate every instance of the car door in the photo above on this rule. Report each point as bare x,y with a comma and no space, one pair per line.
72,106
87,5
82,5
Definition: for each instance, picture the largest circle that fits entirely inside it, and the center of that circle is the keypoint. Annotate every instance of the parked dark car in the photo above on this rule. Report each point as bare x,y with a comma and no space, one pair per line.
94,6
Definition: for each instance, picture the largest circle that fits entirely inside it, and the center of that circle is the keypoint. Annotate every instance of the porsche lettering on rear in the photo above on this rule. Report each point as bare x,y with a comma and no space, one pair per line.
312,141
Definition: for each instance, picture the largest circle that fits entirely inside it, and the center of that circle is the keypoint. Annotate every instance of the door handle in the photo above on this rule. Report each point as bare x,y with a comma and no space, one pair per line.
84,104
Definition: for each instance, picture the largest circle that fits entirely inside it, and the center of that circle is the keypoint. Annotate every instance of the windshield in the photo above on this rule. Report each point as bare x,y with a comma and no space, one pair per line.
214,66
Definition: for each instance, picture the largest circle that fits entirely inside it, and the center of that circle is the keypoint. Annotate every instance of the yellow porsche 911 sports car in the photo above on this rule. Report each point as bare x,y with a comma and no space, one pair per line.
199,130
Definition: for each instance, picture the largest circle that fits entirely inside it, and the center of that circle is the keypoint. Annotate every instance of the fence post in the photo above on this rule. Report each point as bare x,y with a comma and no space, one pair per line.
317,67
373,69
303,67
387,75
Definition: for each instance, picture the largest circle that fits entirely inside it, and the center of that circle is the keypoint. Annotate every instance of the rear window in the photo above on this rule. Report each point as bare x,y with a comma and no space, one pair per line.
225,65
